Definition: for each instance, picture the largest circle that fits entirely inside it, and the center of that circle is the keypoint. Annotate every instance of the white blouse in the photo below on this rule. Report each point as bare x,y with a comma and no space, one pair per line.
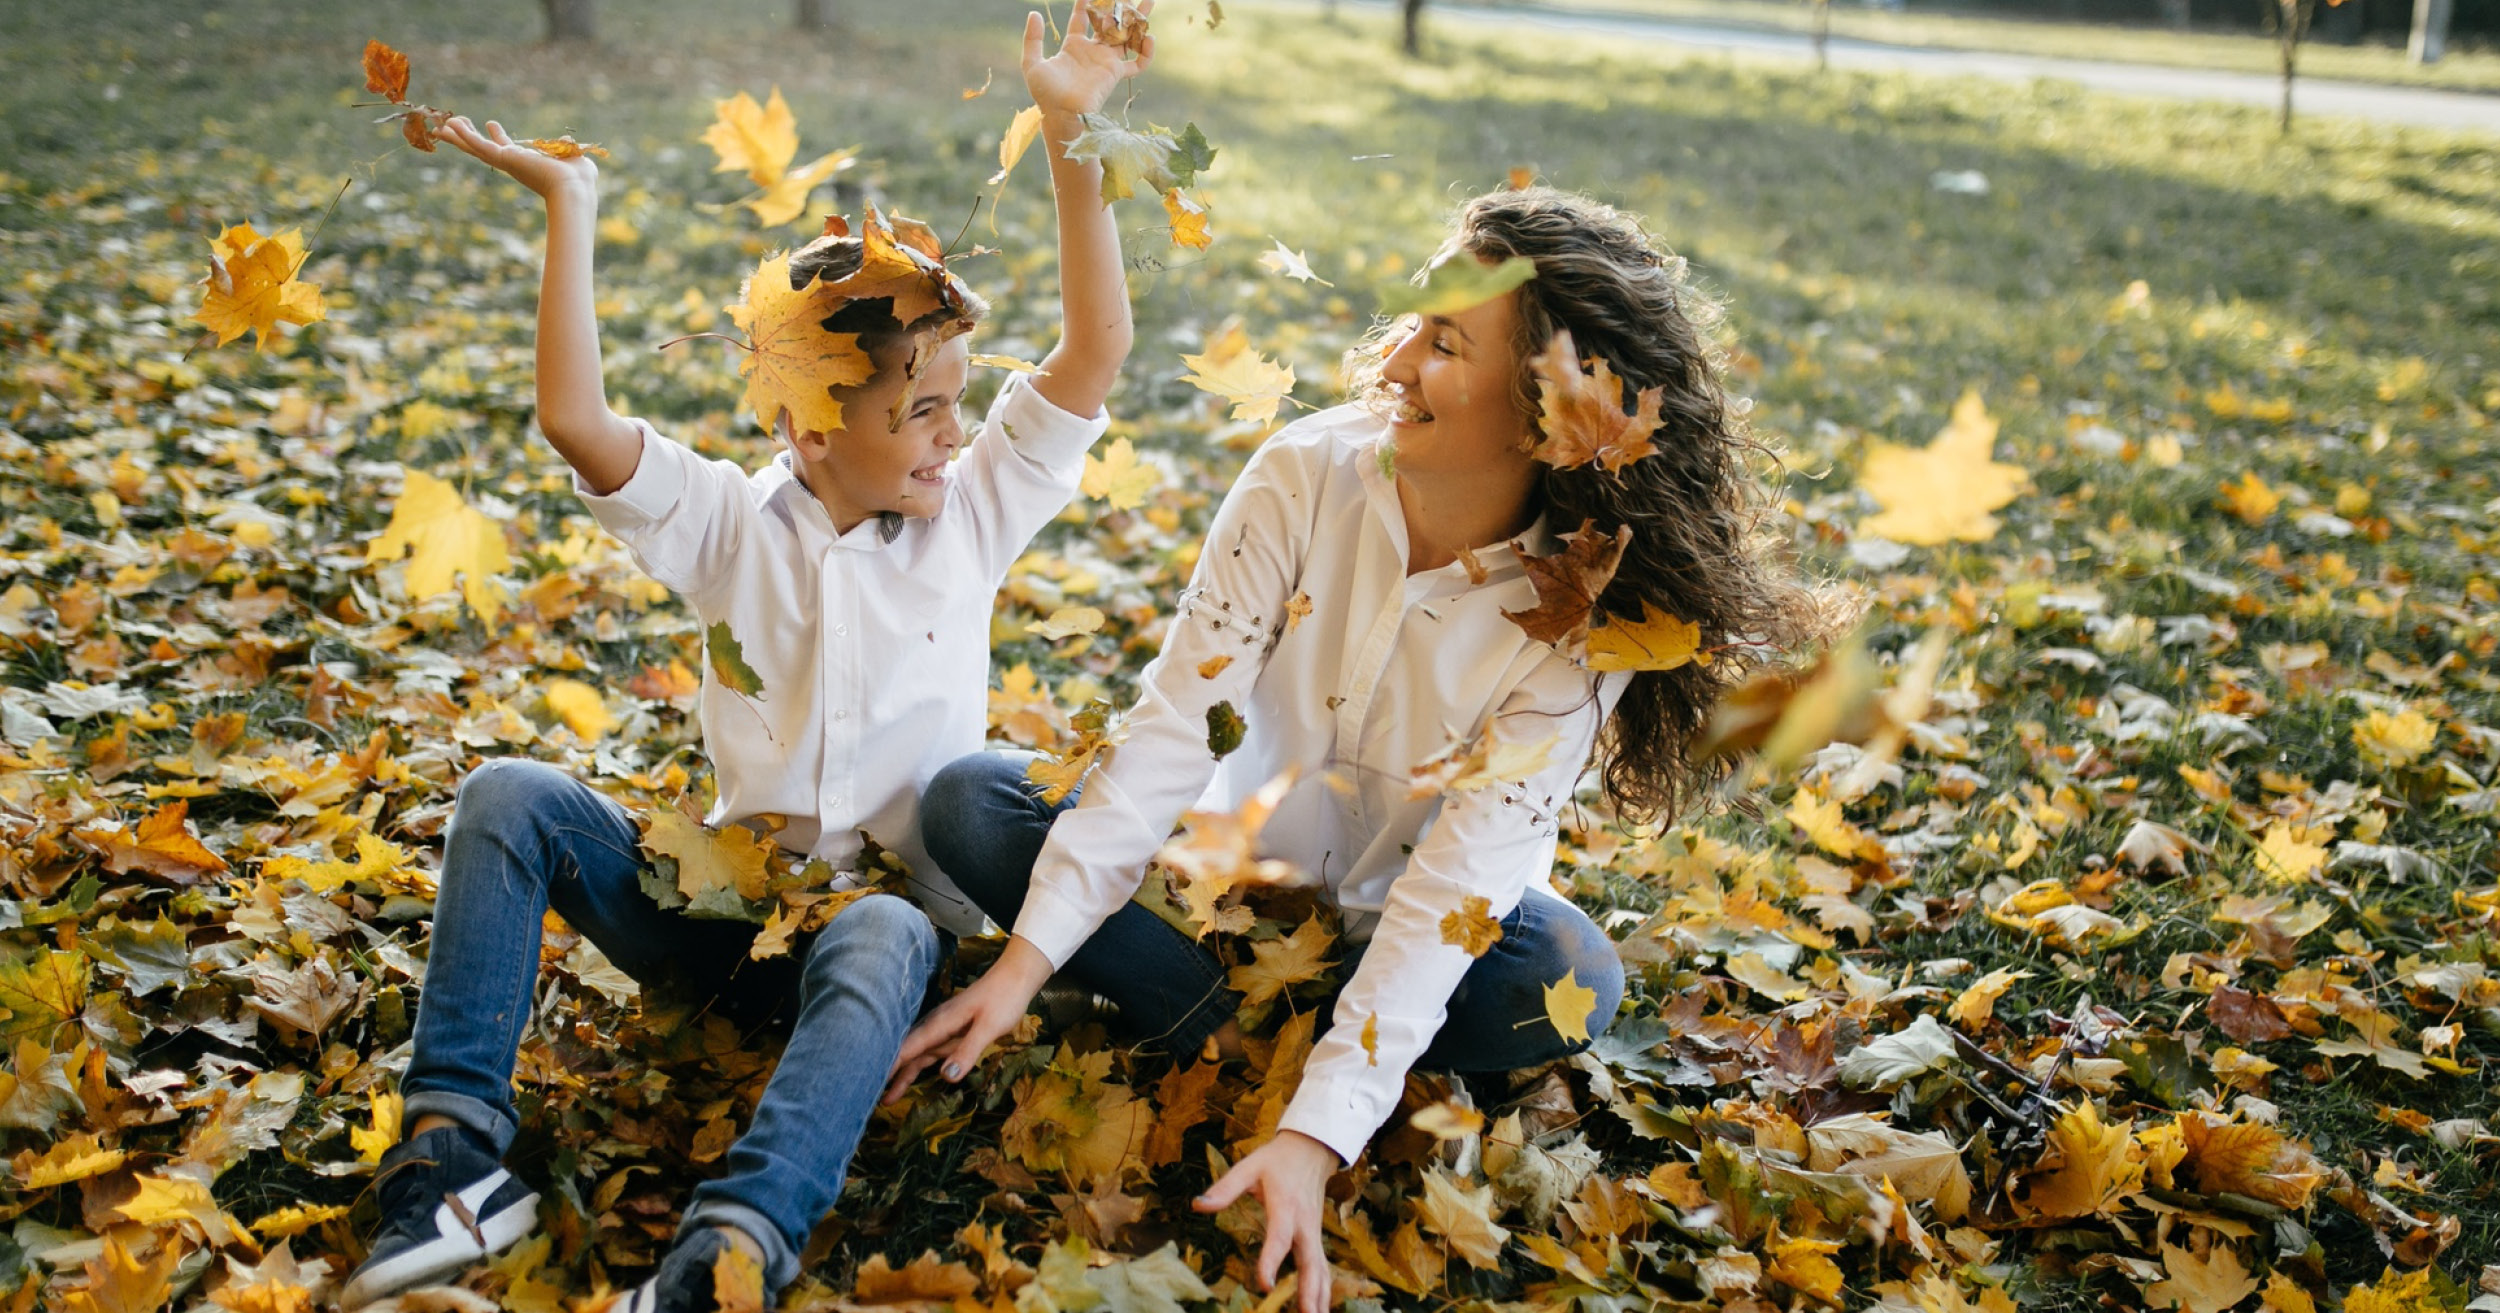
1350,672
873,653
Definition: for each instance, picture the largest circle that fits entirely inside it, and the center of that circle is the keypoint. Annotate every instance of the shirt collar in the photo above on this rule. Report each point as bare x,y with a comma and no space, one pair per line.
780,480
1380,490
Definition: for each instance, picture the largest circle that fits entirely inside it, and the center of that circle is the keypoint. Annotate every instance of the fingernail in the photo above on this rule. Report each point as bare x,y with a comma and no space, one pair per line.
954,1071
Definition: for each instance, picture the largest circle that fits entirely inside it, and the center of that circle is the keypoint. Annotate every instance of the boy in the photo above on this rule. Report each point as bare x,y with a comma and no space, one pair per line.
857,573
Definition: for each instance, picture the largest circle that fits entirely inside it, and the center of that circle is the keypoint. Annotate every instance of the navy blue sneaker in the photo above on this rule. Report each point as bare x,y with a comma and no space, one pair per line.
447,1202
684,1283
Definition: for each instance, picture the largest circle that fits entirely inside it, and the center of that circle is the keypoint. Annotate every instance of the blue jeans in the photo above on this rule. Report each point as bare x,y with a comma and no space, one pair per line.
525,837
984,825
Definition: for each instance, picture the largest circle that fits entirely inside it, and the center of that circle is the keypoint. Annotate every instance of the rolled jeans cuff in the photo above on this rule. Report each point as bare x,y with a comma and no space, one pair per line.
475,1114
781,1262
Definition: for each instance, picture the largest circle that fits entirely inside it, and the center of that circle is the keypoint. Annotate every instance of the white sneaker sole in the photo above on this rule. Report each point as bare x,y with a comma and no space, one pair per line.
452,1250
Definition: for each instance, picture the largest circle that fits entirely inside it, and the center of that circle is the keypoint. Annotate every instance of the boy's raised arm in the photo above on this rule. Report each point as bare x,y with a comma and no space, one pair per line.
572,398
1093,288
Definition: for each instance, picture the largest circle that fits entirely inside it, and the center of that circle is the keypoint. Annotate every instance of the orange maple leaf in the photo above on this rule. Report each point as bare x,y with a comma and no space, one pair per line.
1567,586
1582,415
386,72
793,364
160,845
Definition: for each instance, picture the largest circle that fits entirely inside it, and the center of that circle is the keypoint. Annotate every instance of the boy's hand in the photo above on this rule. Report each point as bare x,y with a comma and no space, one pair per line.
540,172
1079,79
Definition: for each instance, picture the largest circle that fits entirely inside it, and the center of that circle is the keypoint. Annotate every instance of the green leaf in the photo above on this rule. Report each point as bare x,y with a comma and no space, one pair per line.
1224,729
1460,282
1191,156
659,883
729,662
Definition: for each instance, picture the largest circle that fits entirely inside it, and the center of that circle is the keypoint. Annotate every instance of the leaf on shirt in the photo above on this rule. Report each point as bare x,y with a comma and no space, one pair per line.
1067,622
1230,369
1371,1040
1581,411
442,537
729,662
1117,477
1657,641
1459,282
1299,607
1472,926
1224,729
1567,586
1279,964
1568,1005
1488,761
1213,666
733,858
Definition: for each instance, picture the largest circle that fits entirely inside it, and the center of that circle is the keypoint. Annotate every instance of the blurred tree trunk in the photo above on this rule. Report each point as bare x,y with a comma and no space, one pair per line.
571,20
2430,31
1822,35
815,15
1414,26
2291,23
2174,14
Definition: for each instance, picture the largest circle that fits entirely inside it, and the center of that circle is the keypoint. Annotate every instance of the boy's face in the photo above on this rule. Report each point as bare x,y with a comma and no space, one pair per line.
867,468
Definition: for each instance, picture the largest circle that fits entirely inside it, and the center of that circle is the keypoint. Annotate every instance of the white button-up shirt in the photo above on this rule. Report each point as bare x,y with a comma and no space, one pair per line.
1380,672
873,653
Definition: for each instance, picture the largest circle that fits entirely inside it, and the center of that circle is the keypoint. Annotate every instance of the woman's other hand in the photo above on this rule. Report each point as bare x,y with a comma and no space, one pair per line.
960,1029
1290,1175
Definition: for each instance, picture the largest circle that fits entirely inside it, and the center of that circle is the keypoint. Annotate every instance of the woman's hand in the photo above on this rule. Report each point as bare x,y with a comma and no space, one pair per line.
1290,1175
967,1024
1079,79
532,168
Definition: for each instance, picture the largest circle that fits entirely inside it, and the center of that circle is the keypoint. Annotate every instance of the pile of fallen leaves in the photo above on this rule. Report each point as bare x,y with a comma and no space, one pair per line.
2120,846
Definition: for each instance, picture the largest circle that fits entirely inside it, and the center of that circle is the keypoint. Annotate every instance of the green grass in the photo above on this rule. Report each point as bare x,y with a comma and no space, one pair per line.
2348,272
2468,65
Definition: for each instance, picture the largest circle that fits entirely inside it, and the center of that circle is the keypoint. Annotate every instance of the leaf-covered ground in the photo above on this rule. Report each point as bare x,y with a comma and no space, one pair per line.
2156,971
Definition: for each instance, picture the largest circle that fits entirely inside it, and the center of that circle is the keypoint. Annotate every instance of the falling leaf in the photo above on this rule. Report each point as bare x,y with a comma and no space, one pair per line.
1224,729
794,364
1582,419
1474,928
1067,622
1117,477
1021,130
1230,369
1569,1005
1459,283
1658,641
1155,158
443,537
252,287
1489,761
386,72
758,140
1945,491
729,663
1189,220
1568,584
1009,363
1290,263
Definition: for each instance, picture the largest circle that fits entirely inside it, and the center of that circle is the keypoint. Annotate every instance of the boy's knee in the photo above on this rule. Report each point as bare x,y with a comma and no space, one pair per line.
954,806
504,785
881,928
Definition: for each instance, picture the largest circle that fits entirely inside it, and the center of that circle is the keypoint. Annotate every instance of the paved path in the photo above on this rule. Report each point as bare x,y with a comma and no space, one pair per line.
2310,96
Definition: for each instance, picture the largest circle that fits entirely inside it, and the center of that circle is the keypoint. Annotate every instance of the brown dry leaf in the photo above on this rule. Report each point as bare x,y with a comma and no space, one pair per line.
1280,964
1582,416
161,844
1568,584
1463,1218
926,1278
1472,926
386,72
794,364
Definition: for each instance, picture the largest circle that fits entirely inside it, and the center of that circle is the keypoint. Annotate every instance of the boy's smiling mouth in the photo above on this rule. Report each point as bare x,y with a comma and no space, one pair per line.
932,474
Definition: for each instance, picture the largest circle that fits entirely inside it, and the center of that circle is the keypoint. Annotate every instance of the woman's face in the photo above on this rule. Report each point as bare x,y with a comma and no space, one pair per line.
1450,378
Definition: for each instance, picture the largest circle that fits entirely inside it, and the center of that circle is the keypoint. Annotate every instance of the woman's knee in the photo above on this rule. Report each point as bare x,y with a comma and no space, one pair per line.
1590,958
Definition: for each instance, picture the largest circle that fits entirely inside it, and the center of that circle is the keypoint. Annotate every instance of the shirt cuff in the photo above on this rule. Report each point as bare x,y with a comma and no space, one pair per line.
653,491
1333,1112
1040,431
1054,924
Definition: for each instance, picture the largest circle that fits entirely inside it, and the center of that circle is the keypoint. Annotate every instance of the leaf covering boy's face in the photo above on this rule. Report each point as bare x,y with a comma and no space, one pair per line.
871,468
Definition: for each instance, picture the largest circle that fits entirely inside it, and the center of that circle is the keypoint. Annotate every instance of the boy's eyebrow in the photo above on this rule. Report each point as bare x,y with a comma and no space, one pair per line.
1444,321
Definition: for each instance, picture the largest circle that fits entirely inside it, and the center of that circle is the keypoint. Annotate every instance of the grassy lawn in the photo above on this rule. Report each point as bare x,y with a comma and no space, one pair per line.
2153,301
2467,66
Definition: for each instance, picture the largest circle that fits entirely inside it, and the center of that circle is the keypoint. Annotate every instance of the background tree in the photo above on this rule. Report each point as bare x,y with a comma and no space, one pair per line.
2430,30
1414,15
1822,34
815,15
571,20
2291,26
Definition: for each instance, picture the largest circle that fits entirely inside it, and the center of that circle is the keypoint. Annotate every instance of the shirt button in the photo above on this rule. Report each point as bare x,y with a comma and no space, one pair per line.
841,629
833,800
841,715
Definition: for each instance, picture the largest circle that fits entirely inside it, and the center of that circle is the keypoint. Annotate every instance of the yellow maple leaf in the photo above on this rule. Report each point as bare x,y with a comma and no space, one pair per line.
1569,1006
296,1220
2250,498
1977,1003
251,286
2285,1295
737,1282
794,364
2247,1158
371,1142
2200,1283
2397,740
731,857
1231,370
1280,964
442,537
2085,1168
1804,1263
182,1201
785,197
1581,416
755,139
1658,641
377,860
1464,1218
74,1158
1189,222
2287,853
1472,926
1822,820
1945,491
119,1283
1117,477
579,706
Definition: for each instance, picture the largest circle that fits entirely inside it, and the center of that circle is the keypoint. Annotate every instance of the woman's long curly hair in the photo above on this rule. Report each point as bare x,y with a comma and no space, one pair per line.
1702,547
